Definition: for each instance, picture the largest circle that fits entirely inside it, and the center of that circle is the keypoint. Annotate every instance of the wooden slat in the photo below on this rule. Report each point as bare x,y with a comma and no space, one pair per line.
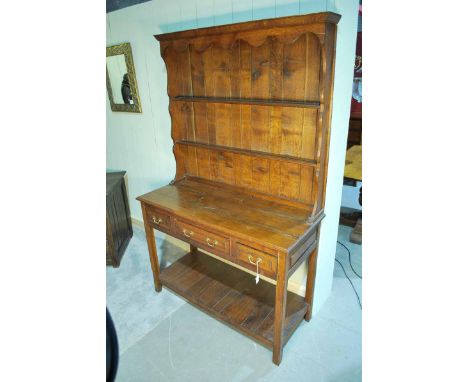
236,114
198,73
191,161
226,167
245,92
183,63
170,58
211,123
201,128
306,186
309,132
312,80
260,130
290,180
291,127
275,177
243,170
261,174
294,69
203,162
220,61
235,126
223,125
214,168
235,65
275,130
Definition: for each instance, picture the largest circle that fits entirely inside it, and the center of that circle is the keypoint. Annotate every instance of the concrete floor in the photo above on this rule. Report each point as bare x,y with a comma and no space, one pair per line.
163,338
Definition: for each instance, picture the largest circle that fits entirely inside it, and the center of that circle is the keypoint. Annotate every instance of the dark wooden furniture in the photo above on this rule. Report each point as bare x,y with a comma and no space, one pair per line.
118,223
250,105
355,130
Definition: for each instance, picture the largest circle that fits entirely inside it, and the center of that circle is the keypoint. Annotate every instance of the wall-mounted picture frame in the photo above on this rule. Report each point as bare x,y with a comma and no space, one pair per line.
122,87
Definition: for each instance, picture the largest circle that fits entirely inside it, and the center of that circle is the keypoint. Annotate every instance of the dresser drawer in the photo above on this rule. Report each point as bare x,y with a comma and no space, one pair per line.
248,258
158,218
203,239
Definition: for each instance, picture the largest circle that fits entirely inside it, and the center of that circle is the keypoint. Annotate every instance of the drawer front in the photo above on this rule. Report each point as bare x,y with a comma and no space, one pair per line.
303,250
158,218
203,239
248,257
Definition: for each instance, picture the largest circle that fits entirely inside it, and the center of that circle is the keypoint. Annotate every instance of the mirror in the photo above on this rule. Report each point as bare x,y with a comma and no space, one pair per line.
122,87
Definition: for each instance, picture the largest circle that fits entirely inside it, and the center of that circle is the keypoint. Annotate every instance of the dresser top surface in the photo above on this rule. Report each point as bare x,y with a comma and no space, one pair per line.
233,211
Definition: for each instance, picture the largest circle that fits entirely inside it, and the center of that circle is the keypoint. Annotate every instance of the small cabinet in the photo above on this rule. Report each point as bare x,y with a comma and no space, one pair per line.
118,223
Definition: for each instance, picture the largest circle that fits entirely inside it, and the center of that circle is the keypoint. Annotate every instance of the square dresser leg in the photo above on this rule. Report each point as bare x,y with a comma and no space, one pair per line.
280,309
310,285
153,254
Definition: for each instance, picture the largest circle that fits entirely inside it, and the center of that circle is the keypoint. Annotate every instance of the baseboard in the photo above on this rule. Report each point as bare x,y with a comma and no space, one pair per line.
292,286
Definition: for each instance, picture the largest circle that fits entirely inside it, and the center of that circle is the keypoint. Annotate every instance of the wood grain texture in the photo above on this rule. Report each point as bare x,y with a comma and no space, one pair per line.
231,211
285,177
261,98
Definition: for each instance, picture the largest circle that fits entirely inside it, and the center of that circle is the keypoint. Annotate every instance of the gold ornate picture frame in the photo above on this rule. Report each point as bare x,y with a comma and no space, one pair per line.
134,105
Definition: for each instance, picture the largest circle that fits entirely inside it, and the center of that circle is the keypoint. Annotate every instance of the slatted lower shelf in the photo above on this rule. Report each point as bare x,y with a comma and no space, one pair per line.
232,296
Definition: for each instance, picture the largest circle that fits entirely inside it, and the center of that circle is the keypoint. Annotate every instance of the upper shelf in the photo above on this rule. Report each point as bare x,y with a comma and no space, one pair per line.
250,101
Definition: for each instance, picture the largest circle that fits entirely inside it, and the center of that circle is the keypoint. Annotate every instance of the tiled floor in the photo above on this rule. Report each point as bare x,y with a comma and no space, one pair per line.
163,338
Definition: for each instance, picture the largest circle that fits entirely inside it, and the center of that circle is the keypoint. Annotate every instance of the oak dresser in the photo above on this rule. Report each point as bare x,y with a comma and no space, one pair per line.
250,105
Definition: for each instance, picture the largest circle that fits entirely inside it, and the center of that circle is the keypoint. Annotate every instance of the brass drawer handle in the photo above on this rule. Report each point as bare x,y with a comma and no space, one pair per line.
188,234
211,243
157,221
259,260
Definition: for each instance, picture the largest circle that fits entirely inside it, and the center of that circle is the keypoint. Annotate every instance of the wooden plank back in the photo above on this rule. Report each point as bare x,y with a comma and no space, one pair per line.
250,106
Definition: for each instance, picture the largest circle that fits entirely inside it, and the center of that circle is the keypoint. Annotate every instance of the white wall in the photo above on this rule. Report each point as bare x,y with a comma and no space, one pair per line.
141,143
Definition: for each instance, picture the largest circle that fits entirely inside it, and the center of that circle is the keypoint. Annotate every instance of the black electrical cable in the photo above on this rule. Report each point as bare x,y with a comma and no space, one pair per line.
349,258
352,285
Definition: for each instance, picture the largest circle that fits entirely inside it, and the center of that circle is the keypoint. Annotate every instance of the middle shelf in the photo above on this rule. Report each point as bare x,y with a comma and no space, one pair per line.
254,153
